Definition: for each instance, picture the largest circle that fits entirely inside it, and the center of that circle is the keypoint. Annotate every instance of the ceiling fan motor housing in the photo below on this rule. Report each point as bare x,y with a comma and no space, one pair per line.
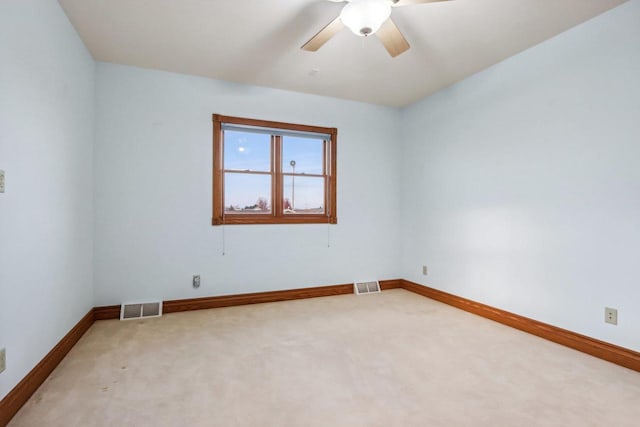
364,17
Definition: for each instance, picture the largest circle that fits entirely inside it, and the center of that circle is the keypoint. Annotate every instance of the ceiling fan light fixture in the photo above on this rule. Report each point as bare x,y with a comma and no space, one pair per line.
364,17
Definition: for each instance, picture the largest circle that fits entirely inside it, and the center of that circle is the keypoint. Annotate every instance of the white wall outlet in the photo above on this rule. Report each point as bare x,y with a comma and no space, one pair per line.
3,359
1,181
611,315
196,281
425,271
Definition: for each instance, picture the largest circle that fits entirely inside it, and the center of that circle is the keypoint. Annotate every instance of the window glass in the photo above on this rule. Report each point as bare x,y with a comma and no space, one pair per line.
247,151
302,155
272,172
303,195
247,193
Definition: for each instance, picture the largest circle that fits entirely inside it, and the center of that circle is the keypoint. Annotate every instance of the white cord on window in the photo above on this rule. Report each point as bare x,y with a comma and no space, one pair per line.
328,227
223,236
328,233
328,211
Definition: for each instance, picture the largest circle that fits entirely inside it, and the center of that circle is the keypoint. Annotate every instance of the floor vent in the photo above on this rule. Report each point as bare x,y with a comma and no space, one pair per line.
361,288
141,310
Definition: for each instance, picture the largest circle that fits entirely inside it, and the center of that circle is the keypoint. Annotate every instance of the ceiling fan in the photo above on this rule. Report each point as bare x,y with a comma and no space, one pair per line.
366,17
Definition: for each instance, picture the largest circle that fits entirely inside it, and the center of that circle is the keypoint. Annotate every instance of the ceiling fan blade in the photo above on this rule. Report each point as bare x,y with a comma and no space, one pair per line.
324,35
392,38
398,3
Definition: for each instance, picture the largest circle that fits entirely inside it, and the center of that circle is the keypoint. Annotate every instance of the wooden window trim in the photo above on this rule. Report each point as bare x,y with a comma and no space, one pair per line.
277,215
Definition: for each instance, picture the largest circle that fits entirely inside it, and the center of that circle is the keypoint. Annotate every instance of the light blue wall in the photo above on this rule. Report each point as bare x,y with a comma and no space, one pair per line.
521,184
46,135
518,187
153,192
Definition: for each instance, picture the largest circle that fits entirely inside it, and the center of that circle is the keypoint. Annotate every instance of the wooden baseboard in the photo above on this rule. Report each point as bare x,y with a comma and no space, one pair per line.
600,349
175,306
385,285
106,312
13,401
17,397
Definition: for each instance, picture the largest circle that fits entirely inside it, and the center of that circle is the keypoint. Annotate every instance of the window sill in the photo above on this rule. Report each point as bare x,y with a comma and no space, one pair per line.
293,219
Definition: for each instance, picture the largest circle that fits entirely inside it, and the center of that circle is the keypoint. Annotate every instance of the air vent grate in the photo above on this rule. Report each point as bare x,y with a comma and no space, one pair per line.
362,288
140,310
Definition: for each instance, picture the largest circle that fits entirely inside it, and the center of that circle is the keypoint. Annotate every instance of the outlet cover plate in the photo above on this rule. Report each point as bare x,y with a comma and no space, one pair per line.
1,181
3,359
611,315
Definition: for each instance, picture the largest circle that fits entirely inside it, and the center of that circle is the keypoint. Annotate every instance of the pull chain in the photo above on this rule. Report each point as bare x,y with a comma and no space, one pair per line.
224,243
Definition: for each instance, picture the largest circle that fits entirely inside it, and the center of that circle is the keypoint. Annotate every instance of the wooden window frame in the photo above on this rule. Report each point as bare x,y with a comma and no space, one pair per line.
277,216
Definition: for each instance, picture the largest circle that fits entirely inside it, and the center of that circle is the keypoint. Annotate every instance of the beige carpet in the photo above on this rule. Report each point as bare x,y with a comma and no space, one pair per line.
391,359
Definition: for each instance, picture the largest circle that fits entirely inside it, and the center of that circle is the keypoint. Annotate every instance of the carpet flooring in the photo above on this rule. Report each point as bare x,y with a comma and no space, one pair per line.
389,359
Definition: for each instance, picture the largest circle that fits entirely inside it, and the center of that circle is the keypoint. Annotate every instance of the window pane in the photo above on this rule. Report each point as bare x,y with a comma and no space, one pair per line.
247,151
247,193
307,153
303,195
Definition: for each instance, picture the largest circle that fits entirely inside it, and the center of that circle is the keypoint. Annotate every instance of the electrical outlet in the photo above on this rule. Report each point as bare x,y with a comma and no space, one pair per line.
1,181
196,281
424,270
3,360
611,315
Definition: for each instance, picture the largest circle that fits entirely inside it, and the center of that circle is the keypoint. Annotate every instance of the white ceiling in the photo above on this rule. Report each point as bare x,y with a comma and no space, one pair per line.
258,41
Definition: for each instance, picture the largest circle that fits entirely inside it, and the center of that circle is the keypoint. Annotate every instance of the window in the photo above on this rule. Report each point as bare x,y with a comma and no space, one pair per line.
273,173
